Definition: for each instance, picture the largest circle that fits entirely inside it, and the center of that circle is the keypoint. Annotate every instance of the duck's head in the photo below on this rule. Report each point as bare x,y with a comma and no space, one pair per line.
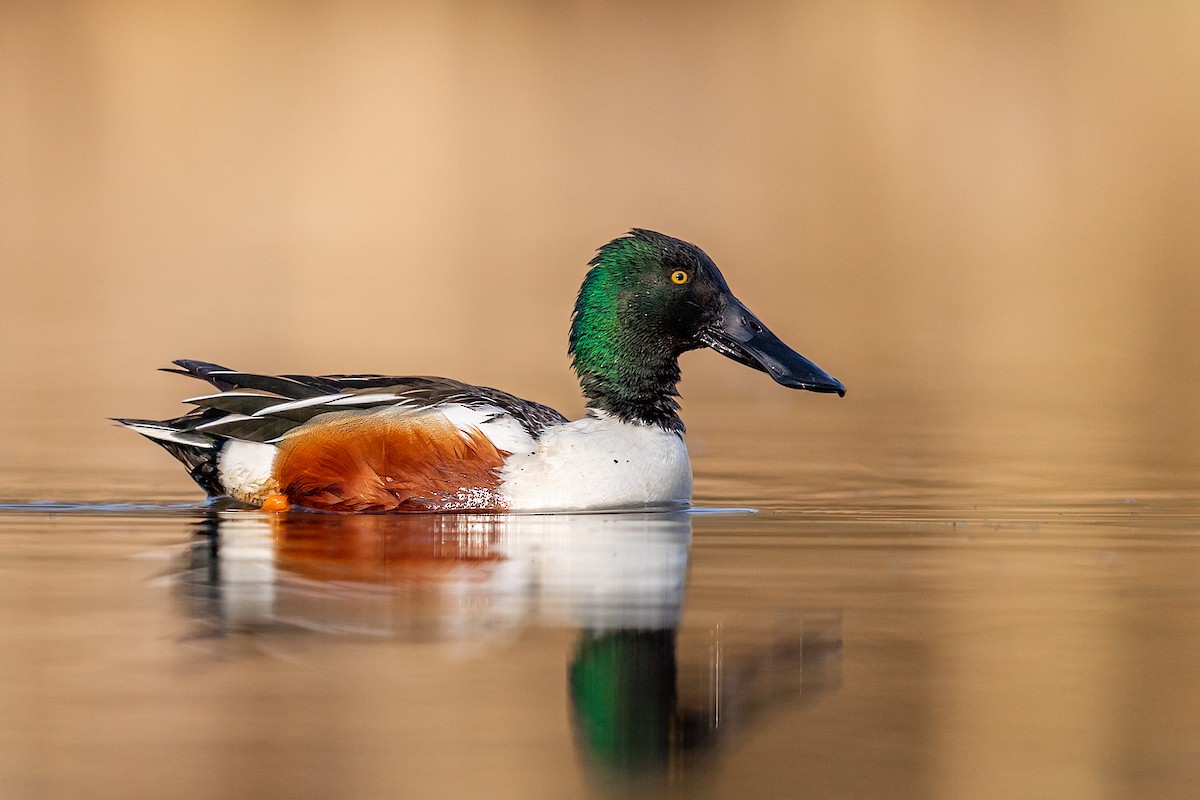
649,298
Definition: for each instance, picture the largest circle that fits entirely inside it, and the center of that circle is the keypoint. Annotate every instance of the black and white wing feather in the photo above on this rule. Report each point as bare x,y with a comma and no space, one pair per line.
263,408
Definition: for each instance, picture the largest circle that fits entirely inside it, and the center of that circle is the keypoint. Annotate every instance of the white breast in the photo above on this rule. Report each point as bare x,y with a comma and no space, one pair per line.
599,462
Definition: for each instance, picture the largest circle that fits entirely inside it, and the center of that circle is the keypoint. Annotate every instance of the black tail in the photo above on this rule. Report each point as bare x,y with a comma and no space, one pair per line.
197,451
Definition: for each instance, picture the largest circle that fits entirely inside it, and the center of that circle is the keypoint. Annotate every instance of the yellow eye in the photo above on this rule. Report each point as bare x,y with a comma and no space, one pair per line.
679,276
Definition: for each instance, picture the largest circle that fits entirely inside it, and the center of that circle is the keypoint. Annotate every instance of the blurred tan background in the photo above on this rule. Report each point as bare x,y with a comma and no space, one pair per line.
987,211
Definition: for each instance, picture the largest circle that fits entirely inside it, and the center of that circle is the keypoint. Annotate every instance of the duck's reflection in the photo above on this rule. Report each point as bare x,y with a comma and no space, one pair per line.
437,576
649,697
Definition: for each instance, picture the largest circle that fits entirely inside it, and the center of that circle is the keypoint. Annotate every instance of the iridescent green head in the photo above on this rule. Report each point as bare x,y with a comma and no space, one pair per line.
649,298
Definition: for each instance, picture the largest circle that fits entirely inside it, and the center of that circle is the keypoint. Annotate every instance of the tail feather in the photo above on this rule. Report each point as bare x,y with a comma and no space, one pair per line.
196,451
168,431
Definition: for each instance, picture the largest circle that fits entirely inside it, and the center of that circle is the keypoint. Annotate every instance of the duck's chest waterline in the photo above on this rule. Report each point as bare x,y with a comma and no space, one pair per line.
599,462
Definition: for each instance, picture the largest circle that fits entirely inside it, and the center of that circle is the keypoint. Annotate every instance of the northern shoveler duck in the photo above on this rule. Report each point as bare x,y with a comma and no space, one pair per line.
375,443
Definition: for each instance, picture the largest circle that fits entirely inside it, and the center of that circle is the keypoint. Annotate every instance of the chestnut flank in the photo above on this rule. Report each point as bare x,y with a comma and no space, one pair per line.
389,463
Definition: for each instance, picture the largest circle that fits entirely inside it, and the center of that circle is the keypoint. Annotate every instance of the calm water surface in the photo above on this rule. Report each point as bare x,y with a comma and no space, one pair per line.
925,614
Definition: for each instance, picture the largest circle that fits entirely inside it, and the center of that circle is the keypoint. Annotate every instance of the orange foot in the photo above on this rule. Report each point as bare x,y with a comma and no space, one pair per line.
276,503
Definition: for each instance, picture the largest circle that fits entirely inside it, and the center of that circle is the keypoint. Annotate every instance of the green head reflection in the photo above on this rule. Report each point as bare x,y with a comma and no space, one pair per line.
623,694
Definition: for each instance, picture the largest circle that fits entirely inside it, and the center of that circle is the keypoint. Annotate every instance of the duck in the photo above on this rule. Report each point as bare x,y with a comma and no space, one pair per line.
386,444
